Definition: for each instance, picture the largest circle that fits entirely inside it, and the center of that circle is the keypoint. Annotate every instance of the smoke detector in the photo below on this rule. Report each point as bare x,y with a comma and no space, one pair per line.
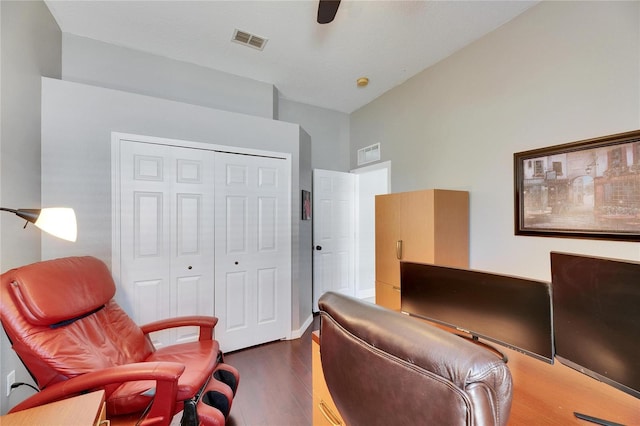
248,39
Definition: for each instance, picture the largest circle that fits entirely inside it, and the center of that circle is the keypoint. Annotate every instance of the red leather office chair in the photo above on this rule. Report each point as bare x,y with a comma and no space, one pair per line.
73,337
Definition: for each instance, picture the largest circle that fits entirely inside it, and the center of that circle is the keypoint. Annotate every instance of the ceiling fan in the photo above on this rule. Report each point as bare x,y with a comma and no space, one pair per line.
327,10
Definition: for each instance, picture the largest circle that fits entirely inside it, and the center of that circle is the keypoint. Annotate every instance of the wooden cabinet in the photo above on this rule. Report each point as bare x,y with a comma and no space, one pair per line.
430,226
325,412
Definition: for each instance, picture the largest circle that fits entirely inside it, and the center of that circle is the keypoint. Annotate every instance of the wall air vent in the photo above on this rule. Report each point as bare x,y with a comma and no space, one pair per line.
369,154
249,39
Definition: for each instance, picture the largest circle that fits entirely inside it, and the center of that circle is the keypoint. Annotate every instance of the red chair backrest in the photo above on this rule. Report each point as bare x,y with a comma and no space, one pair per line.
62,321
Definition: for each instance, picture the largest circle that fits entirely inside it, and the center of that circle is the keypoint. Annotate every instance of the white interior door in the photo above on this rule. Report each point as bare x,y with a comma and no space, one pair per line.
253,250
166,236
333,233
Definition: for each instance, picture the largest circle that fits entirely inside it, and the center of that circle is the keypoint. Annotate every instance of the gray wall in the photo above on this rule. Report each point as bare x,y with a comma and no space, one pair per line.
560,72
329,131
102,64
31,45
304,294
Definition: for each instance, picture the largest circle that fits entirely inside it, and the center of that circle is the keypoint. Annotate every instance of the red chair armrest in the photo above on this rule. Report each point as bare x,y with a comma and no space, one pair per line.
165,374
205,323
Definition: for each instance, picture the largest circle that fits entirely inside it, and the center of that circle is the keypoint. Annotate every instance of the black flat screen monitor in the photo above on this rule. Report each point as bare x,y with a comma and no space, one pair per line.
511,311
596,305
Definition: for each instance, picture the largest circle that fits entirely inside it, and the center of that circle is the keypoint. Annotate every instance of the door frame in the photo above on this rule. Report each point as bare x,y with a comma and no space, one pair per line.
360,259
118,137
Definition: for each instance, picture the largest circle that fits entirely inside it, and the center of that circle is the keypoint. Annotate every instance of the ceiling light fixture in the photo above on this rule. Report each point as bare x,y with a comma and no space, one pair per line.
362,81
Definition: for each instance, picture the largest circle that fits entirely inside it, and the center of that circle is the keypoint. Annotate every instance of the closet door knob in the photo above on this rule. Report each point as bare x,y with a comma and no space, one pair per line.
189,267
318,248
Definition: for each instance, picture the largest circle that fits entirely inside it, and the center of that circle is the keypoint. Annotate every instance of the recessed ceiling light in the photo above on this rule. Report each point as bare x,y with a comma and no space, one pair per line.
362,81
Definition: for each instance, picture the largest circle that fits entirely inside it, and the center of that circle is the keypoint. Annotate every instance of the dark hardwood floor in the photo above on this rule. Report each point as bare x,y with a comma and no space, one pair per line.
275,383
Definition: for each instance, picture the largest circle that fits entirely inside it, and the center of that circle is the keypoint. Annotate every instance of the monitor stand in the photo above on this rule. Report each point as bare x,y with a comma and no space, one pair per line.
477,341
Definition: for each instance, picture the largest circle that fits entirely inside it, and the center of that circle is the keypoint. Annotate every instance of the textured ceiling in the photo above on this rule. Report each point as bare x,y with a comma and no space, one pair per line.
387,41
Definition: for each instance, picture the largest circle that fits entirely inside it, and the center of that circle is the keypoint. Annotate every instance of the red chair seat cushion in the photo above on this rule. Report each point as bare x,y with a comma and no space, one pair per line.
199,359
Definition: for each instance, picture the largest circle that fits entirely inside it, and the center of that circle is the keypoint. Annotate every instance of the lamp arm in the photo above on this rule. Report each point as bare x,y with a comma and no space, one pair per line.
30,215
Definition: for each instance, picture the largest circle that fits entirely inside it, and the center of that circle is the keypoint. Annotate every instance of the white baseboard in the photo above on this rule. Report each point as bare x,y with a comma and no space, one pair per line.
367,294
296,334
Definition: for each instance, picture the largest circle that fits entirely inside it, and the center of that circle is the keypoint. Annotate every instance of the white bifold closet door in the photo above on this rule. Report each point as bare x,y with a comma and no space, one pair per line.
253,250
167,234
206,233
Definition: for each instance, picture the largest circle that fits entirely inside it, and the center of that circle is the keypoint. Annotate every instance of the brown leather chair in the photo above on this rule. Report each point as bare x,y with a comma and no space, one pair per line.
73,337
384,368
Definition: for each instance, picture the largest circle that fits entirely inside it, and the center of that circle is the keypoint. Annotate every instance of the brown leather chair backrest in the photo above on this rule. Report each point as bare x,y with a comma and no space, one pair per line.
385,368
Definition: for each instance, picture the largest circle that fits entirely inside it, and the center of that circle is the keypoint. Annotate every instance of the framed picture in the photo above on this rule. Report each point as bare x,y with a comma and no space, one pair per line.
584,189
306,205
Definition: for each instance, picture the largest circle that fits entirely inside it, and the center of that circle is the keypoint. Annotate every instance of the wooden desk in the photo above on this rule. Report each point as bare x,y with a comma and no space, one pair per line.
83,410
546,394
325,412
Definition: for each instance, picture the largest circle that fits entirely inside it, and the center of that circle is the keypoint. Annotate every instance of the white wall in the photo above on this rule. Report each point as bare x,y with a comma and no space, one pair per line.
31,44
102,64
560,72
329,131
77,121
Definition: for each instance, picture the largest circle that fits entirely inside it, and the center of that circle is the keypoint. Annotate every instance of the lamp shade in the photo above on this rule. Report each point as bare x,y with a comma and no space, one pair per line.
57,221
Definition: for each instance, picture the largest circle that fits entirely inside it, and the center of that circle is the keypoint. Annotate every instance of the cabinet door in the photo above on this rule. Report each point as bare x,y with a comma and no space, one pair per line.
451,228
388,296
416,226
404,223
388,238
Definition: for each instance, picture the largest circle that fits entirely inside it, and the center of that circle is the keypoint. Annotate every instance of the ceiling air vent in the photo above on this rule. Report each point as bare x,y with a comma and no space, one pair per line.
249,39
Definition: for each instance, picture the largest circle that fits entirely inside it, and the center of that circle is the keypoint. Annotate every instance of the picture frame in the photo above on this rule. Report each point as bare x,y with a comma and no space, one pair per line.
306,205
584,189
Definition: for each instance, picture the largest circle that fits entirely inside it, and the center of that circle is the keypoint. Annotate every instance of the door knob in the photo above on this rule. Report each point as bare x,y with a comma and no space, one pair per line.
190,267
318,248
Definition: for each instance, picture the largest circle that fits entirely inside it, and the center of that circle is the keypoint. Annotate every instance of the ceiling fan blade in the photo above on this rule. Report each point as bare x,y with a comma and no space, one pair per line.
327,10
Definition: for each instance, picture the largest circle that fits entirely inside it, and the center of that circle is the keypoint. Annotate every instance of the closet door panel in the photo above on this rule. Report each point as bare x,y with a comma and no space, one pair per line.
253,240
166,220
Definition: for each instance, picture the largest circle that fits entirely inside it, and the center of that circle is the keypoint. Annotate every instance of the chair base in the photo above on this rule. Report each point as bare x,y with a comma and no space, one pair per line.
214,403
